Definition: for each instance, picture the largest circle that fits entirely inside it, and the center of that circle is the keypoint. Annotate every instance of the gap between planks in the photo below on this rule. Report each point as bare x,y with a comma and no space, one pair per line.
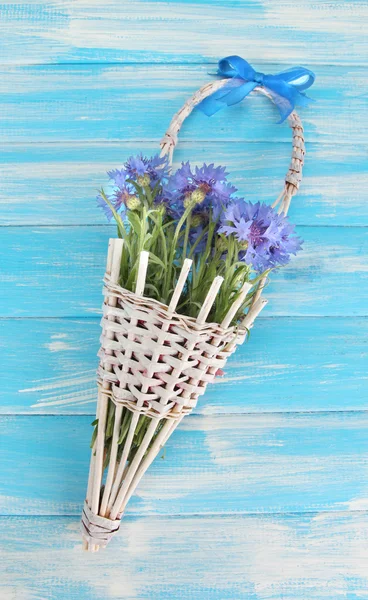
269,317
112,226
357,411
165,63
197,515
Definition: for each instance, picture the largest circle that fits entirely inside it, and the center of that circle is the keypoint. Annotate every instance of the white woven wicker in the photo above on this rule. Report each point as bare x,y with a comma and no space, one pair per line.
156,362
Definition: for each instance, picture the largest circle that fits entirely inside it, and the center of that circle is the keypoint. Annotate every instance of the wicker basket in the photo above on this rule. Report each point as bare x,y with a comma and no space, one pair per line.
156,362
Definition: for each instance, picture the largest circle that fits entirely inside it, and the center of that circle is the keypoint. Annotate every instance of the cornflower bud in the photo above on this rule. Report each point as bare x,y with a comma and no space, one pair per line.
187,200
144,180
133,202
243,245
221,244
196,220
198,196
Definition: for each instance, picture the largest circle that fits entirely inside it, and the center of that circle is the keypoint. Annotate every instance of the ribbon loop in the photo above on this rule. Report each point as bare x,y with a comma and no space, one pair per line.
285,88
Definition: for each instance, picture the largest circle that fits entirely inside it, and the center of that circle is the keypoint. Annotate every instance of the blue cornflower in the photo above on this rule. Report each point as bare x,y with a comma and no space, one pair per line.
264,235
119,193
156,167
207,185
144,171
105,207
118,177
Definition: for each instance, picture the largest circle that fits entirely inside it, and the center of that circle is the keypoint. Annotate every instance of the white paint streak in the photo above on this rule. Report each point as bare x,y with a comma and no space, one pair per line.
59,346
268,558
268,370
59,382
150,28
322,17
358,504
329,258
54,391
67,400
242,454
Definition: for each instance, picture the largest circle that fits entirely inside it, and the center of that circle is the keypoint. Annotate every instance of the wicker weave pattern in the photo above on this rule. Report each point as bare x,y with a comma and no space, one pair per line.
170,356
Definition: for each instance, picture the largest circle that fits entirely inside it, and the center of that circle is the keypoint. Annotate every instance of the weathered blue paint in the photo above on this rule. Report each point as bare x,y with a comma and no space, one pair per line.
97,103
64,177
53,372
294,557
182,31
213,464
57,271
83,85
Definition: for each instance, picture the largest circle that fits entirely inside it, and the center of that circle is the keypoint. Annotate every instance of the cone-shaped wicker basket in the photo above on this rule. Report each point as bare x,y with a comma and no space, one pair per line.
156,362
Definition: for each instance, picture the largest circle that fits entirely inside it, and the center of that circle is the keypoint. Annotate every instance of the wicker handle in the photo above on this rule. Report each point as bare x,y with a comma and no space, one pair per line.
293,176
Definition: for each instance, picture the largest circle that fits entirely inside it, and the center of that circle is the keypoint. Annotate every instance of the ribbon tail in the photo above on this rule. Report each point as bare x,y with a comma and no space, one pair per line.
231,93
304,100
210,106
284,105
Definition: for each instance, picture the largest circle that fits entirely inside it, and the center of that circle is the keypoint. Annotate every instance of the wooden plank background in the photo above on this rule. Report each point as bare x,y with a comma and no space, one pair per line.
262,493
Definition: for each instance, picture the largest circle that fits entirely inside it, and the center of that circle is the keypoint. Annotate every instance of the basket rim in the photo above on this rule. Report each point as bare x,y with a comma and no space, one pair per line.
121,293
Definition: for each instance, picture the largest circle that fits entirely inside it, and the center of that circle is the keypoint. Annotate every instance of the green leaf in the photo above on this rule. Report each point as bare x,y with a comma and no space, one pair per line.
118,219
155,259
151,286
138,188
135,222
94,436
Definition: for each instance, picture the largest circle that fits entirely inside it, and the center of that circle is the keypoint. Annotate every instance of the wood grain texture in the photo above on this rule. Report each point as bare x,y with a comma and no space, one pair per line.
57,271
228,464
53,372
83,85
79,103
257,557
55,184
184,31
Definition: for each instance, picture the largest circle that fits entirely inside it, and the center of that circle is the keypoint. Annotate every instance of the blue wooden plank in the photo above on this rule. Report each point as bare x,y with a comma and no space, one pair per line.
96,103
53,370
212,464
57,271
55,184
244,463
148,30
259,557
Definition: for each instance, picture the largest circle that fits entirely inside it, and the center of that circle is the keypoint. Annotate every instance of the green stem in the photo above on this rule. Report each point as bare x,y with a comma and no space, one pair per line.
161,234
118,219
186,237
207,252
198,240
173,248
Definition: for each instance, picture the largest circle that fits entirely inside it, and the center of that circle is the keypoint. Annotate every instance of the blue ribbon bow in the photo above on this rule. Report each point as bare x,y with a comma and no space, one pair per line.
286,88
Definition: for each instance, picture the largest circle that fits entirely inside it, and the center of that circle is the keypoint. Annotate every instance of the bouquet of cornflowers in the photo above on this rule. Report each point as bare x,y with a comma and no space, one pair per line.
193,214
182,289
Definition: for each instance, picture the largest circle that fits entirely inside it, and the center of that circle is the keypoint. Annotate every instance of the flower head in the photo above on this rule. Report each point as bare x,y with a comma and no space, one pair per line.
118,194
155,168
205,186
144,171
104,206
265,237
